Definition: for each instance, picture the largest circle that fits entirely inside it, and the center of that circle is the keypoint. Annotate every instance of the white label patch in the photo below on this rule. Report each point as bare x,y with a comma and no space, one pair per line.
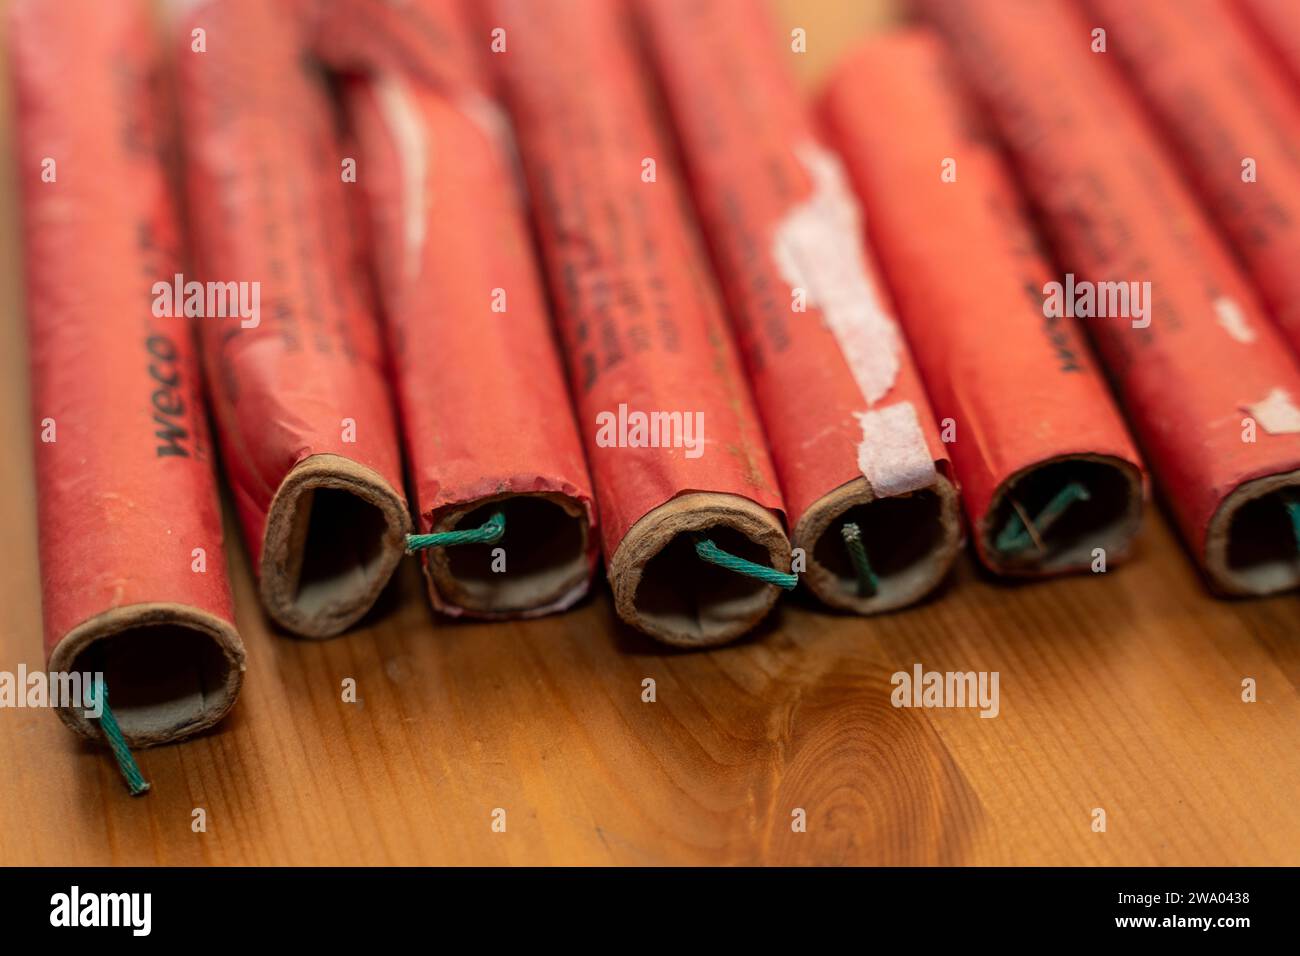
893,455
408,130
818,247
1276,414
1233,320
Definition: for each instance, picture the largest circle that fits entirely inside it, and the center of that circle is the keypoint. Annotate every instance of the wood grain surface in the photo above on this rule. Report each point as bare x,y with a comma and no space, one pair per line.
1120,691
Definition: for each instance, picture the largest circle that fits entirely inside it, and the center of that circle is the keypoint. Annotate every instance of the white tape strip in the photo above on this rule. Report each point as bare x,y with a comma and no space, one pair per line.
819,247
1233,320
1277,413
893,455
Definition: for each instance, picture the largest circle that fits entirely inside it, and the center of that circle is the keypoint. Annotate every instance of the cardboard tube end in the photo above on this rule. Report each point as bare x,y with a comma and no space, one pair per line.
171,670
911,540
661,586
1109,518
335,533
546,549
1250,543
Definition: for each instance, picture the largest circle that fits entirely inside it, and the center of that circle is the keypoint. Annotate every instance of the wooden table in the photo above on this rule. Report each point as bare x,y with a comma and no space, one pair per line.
1120,691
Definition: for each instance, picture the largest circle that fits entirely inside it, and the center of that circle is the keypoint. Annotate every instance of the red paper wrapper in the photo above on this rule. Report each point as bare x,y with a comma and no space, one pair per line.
1234,123
133,571
300,394
851,430
1212,408
422,39
485,406
1030,412
642,328
1277,25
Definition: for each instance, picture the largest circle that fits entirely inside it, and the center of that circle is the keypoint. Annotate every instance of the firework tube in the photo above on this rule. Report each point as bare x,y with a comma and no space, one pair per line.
851,431
1234,123
676,451
1035,427
1276,24
133,572
300,397
1212,408
485,407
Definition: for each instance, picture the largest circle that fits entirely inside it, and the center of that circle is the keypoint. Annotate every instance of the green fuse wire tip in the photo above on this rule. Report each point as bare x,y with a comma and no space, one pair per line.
1016,536
868,583
488,533
98,692
710,552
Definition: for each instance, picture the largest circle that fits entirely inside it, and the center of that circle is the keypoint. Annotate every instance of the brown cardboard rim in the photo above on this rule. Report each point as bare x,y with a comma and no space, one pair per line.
725,617
556,589
119,622
333,606
1266,578
896,590
1116,538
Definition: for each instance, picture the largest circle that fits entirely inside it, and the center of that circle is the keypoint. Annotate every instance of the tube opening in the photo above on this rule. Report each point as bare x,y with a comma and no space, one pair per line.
541,558
163,679
343,553
1262,549
681,594
899,536
1073,506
